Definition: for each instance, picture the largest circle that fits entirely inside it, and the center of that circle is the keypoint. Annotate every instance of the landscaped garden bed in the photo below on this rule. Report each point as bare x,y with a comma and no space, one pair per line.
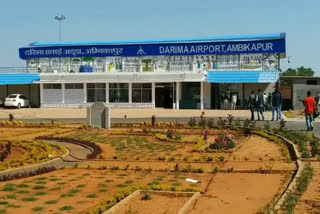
224,160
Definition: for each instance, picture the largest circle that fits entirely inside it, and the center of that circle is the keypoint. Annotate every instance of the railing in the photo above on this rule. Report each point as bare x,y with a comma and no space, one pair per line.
112,105
12,70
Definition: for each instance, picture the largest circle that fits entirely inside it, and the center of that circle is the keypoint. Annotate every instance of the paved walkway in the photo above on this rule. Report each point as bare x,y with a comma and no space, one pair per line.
76,113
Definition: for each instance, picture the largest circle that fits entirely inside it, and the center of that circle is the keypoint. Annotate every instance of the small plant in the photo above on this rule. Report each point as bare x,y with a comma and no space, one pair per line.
66,208
172,159
210,123
229,170
205,134
51,202
221,158
221,123
224,141
282,124
192,122
147,196
230,119
161,158
92,196
176,168
215,170
203,121
153,120
37,209
114,168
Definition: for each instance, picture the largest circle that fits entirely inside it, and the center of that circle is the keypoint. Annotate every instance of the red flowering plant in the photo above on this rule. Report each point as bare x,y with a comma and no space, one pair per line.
224,141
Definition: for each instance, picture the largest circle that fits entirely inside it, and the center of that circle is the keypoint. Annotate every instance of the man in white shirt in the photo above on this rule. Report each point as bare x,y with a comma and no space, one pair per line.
233,102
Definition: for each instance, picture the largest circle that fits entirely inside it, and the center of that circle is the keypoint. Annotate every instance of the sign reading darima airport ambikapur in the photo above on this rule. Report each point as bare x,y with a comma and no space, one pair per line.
218,48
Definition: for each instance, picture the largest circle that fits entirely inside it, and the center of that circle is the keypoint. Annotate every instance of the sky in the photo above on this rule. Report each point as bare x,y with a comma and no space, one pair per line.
23,22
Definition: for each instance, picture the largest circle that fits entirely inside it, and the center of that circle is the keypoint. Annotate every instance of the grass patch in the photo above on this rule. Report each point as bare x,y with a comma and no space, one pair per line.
102,185
67,195
121,185
29,199
74,191
9,188
51,202
23,192
39,187
9,197
66,208
41,182
92,196
80,186
3,211
4,202
109,181
55,189
23,185
55,179
37,209
41,193
129,182
62,183
103,190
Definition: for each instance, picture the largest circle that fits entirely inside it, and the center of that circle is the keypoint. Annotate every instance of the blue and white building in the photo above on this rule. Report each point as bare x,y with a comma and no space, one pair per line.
175,73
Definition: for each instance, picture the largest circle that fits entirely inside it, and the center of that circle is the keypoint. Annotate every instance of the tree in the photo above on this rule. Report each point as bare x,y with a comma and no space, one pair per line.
300,71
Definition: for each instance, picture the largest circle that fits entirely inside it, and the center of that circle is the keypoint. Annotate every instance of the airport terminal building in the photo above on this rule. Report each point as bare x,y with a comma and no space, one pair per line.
177,73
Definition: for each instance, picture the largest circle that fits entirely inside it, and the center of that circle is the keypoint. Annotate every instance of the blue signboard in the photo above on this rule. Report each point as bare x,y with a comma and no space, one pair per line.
168,49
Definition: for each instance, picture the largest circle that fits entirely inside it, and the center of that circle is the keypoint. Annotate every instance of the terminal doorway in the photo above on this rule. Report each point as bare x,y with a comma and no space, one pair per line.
164,95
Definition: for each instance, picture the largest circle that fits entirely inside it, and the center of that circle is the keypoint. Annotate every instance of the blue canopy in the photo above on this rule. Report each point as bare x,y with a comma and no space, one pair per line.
18,79
242,76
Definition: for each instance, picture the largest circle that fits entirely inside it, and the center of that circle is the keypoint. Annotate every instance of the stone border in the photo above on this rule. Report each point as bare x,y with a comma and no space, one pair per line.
185,208
294,153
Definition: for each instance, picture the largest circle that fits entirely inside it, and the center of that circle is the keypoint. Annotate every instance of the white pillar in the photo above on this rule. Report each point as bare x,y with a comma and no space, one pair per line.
41,94
63,91
177,94
107,92
201,95
84,92
154,94
130,92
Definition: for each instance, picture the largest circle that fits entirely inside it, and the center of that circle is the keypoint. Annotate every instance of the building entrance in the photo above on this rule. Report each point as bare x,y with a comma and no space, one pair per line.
164,95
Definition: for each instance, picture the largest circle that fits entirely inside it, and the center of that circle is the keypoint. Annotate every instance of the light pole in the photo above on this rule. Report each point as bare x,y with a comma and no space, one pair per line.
60,18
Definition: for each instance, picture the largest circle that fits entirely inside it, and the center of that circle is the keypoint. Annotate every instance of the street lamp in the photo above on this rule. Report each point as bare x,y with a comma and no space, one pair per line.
60,18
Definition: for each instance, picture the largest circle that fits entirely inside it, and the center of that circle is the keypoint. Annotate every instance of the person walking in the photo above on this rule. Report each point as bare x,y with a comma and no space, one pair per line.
309,104
252,104
260,104
233,101
276,103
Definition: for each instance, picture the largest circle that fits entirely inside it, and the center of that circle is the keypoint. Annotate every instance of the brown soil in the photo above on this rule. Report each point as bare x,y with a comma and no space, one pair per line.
158,204
238,193
257,148
309,202
95,186
15,153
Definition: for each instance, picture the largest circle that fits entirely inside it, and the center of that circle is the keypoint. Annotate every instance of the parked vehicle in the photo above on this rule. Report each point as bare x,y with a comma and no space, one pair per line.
1,101
16,100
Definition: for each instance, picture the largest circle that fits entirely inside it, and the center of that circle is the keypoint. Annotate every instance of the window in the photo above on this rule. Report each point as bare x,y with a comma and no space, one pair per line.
311,82
141,93
52,86
119,92
146,65
74,86
96,92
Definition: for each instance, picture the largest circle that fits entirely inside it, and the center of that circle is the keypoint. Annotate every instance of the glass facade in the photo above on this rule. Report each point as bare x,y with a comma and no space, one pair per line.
118,92
141,92
96,92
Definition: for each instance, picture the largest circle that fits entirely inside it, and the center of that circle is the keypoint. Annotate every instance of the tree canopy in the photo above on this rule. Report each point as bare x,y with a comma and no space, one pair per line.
300,71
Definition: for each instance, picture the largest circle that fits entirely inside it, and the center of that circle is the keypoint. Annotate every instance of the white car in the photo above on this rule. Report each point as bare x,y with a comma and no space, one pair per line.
16,100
